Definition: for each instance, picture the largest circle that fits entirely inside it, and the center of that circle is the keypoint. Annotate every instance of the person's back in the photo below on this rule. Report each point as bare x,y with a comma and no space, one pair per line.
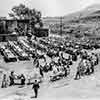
36,85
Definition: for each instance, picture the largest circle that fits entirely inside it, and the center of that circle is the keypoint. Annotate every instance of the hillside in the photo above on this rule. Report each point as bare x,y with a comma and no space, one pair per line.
86,20
90,10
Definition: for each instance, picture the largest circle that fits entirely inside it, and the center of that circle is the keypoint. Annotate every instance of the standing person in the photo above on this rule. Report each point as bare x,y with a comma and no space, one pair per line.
79,70
41,71
97,59
36,87
92,67
22,79
88,66
12,77
78,74
68,69
4,81
65,69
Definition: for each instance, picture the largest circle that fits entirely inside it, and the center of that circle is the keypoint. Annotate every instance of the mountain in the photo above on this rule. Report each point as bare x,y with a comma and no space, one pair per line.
86,21
93,7
92,10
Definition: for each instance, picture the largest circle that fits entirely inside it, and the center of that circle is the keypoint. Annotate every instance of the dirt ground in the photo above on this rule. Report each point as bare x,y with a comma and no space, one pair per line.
88,87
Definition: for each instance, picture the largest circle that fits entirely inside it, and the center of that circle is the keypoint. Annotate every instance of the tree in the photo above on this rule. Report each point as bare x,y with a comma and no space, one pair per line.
23,12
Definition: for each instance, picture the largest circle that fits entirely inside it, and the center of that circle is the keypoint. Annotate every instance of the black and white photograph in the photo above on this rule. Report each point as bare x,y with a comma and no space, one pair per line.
49,49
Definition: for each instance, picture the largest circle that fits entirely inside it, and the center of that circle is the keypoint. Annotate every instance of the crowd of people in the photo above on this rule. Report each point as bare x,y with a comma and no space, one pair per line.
62,53
87,64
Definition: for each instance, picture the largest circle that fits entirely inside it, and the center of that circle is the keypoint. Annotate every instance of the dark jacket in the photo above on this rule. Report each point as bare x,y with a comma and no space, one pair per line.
36,86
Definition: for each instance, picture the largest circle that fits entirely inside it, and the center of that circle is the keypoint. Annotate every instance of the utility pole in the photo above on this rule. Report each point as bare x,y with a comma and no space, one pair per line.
79,26
61,25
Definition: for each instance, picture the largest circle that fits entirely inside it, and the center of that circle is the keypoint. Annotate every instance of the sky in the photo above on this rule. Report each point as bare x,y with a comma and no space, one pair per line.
48,7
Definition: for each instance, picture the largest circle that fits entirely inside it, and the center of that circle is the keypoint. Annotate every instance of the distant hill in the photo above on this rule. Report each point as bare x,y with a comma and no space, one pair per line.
83,22
92,10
